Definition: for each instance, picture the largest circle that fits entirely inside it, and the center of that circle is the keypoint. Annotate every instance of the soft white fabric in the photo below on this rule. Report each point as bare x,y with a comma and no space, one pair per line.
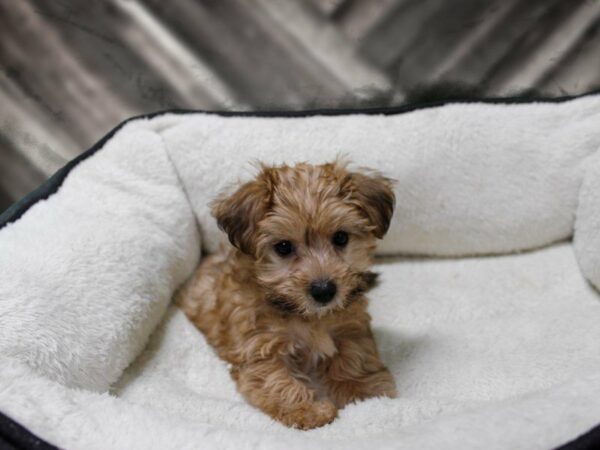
472,178
87,274
587,225
488,352
495,353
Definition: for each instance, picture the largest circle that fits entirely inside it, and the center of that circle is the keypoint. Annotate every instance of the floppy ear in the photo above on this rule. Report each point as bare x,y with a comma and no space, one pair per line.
238,214
373,194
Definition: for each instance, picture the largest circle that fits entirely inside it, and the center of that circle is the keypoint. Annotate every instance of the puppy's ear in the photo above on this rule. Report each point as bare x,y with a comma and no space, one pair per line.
238,214
374,195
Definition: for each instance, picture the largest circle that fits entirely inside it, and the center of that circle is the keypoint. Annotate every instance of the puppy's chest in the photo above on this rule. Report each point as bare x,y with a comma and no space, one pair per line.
310,344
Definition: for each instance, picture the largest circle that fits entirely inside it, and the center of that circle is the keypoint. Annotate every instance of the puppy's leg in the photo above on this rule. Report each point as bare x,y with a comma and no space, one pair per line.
269,386
356,372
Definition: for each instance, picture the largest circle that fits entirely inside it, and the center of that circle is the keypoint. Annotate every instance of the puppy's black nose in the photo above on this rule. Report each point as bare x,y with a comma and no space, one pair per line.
323,290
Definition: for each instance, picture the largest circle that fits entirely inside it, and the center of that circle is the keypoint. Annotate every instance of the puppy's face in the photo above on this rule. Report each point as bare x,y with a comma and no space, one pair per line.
310,232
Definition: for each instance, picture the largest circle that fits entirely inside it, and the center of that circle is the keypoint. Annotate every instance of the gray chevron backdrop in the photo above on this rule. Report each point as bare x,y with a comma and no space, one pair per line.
70,70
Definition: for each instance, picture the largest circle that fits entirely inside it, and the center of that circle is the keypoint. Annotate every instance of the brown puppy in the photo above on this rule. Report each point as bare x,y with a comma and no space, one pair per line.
285,304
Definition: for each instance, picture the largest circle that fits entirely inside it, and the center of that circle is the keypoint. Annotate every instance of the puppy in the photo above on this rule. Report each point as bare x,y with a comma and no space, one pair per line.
285,303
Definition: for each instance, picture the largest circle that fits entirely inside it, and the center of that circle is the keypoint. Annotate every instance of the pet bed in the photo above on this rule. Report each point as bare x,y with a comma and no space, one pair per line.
486,312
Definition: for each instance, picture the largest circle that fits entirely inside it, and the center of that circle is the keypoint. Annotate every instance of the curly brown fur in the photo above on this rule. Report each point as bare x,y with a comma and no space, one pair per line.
297,359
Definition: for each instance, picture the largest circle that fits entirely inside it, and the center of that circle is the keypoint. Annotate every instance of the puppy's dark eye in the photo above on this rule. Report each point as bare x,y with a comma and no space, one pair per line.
340,238
284,248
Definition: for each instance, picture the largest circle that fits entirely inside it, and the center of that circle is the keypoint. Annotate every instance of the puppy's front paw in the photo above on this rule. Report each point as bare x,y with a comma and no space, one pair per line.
378,384
383,385
309,415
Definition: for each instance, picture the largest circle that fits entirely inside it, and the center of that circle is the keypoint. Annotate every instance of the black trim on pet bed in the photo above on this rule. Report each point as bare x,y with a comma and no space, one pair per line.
15,436
587,441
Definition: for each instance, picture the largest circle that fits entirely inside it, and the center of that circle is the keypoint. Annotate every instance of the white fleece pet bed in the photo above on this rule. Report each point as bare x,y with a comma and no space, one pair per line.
488,322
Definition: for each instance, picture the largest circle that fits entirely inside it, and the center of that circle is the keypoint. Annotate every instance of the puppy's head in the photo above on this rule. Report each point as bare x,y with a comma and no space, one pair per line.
310,232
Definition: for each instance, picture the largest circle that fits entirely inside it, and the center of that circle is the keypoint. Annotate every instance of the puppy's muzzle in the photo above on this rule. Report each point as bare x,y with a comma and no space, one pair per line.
323,291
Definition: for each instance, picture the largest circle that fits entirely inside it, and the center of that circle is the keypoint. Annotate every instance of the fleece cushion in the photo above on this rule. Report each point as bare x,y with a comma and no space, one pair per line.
485,314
